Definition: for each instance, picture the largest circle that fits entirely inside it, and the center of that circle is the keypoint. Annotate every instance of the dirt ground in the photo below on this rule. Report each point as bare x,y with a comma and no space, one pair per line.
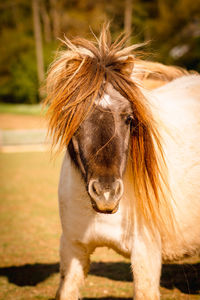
14,123
10,121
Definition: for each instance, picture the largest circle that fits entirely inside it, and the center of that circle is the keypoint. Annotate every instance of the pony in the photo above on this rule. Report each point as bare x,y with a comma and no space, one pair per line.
130,175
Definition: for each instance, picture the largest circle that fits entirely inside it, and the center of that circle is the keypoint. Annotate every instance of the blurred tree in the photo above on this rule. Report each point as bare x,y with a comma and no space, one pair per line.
46,22
173,27
128,17
55,16
38,40
18,75
177,32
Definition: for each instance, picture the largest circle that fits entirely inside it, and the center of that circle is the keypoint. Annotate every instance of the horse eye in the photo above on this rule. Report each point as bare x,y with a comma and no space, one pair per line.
129,120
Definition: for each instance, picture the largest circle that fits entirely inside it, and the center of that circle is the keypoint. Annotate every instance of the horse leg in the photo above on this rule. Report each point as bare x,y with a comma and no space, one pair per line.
146,266
74,264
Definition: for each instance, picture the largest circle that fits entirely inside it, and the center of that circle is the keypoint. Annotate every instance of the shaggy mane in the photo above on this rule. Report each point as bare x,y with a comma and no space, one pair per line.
77,77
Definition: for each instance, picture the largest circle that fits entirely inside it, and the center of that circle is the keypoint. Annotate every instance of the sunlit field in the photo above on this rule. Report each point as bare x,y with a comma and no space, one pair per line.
30,230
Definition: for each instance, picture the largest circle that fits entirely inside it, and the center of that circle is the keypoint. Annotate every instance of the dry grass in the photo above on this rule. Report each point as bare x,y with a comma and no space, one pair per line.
29,222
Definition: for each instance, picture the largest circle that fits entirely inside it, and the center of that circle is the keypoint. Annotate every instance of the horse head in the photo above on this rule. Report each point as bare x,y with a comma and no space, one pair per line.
99,148
98,111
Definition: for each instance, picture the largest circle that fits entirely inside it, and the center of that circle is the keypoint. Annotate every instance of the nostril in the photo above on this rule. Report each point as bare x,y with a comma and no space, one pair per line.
119,188
103,192
94,189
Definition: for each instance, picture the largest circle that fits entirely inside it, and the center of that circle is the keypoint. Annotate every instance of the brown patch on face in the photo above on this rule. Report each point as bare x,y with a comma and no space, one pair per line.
99,147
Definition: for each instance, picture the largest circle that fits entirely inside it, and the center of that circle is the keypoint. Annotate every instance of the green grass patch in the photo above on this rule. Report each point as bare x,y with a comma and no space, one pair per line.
22,109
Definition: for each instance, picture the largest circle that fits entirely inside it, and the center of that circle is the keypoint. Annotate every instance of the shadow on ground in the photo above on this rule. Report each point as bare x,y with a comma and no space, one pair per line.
108,298
103,298
29,275
185,277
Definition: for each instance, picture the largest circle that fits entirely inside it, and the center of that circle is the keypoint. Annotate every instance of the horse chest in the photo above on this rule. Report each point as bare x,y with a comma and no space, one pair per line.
79,220
96,230
109,231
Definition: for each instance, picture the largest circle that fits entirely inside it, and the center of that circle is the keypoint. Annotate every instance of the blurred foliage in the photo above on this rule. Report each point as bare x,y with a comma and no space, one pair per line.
173,28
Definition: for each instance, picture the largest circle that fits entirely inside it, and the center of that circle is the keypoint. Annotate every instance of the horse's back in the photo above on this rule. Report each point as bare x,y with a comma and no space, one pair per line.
178,105
178,110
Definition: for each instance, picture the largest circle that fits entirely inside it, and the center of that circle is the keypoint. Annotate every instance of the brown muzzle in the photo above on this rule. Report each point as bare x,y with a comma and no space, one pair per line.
105,195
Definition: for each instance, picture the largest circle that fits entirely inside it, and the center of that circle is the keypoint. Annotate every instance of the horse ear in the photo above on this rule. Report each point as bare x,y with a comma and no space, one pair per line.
127,65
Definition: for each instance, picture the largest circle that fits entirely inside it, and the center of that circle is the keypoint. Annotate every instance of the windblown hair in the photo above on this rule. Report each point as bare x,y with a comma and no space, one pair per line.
76,78
158,71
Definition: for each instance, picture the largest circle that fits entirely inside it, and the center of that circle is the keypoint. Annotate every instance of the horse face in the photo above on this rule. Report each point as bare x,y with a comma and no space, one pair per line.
100,149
